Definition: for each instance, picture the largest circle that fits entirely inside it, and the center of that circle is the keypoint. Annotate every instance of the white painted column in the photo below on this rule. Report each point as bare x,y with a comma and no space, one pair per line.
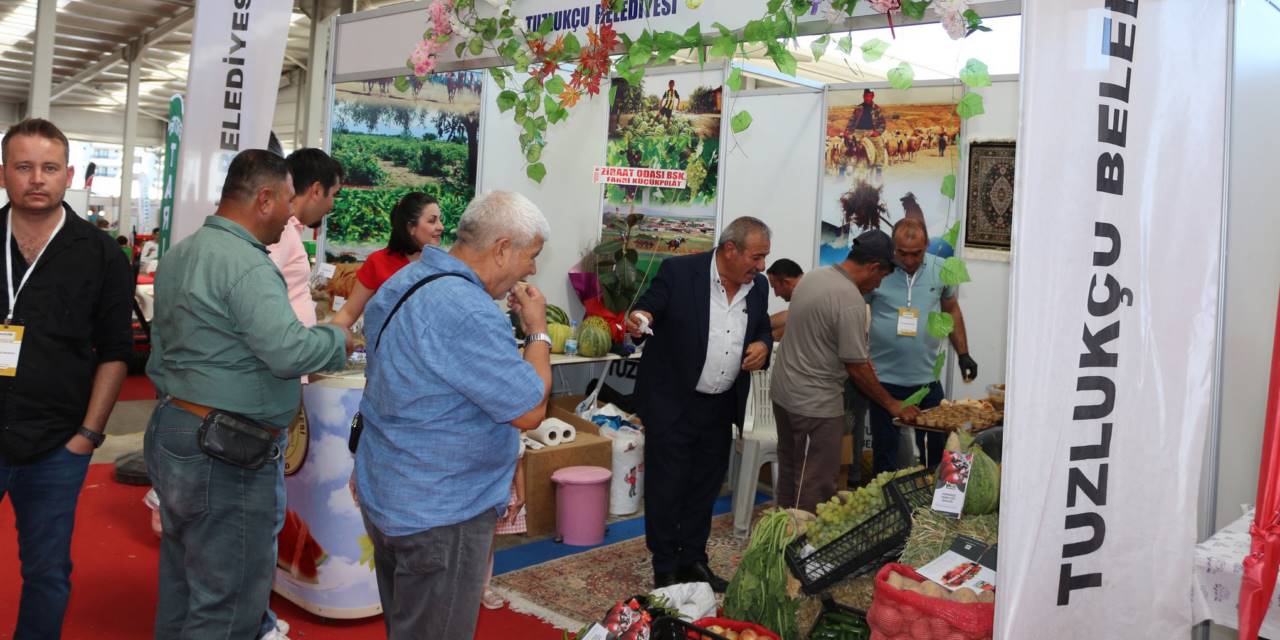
317,79
42,68
130,138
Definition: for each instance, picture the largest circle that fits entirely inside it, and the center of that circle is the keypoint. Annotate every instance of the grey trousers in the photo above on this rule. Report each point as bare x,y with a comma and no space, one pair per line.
808,458
430,582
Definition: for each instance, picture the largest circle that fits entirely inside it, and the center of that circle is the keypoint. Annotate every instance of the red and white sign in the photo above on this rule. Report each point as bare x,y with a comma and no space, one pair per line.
640,177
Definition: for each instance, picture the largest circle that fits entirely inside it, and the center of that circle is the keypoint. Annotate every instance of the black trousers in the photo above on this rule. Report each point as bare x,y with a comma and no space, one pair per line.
685,465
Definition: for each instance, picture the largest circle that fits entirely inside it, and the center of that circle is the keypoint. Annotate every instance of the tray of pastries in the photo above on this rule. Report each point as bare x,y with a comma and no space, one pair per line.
951,415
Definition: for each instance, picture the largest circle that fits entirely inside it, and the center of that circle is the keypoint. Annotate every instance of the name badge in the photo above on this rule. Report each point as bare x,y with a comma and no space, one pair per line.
10,346
908,321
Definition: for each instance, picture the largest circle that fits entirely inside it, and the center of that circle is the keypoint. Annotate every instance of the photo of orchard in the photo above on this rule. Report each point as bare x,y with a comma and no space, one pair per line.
398,135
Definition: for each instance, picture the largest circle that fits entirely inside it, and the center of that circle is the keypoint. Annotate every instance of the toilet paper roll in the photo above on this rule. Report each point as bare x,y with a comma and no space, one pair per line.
551,432
568,434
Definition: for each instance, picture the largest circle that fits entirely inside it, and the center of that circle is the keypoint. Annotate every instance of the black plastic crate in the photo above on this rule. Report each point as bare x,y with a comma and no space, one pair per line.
668,628
829,607
860,549
911,491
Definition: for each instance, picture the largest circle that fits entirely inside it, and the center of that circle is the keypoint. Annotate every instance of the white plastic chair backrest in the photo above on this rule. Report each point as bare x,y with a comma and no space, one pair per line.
759,418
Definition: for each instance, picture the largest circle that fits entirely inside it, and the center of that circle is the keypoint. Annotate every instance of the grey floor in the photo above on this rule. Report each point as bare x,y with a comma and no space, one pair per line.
124,429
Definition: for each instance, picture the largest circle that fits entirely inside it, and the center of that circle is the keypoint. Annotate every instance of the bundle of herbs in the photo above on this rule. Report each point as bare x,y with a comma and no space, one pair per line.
758,591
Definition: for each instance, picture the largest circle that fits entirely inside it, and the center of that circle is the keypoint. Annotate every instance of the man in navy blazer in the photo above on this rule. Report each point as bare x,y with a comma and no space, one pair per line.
709,323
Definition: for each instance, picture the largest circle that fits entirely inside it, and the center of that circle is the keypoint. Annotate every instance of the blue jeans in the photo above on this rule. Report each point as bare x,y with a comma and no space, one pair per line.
269,618
217,557
884,436
44,495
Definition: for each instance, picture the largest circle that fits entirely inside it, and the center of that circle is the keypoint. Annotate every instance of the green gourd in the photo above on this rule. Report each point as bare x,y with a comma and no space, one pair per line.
594,339
559,334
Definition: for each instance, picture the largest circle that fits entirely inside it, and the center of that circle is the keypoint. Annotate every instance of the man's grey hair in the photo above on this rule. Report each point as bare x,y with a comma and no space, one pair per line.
739,229
502,214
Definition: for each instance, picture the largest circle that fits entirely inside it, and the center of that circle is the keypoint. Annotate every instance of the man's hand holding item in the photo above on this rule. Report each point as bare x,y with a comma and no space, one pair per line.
528,303
968,368
757,353
638,323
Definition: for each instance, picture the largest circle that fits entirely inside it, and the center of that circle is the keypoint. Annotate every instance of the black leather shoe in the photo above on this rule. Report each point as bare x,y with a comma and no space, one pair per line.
665,579
700,572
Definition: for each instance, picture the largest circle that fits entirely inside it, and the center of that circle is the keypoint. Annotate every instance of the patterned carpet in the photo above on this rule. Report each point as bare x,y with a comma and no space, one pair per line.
570,592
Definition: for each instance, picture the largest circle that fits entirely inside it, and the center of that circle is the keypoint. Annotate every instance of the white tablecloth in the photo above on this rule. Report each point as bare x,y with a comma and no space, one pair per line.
1216,594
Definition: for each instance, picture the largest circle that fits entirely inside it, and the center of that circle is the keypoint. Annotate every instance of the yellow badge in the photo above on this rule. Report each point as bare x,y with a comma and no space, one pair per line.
295,452
908,321
10,347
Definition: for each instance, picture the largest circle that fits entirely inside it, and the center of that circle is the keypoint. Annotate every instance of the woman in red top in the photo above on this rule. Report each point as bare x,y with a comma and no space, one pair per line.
415,223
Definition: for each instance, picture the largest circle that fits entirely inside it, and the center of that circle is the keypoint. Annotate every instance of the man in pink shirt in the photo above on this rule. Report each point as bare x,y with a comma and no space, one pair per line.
316,180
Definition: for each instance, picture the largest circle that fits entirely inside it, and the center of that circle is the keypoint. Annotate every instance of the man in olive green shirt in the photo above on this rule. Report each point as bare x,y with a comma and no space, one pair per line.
225,337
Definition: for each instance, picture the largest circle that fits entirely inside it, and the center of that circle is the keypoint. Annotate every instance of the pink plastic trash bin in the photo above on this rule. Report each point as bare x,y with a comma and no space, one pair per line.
582,501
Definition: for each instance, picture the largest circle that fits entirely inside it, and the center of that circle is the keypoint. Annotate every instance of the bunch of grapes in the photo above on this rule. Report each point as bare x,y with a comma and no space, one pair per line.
849,509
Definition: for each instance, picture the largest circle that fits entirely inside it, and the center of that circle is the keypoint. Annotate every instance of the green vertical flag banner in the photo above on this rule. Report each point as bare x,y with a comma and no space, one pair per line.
173,136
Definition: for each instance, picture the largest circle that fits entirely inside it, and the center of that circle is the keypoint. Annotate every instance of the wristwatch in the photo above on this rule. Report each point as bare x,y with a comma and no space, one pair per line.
537,337
95,437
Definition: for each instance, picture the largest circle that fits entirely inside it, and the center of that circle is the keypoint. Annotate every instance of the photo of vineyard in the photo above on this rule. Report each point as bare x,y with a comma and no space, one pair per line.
398,135
667,122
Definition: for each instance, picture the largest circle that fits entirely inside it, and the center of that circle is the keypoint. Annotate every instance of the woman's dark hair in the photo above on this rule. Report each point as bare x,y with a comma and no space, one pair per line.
405,215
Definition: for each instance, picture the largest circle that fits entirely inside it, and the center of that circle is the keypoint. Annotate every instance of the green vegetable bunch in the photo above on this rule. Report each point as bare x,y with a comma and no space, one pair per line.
758,591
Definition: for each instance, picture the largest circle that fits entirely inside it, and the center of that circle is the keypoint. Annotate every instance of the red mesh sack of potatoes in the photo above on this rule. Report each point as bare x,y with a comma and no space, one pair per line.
899,614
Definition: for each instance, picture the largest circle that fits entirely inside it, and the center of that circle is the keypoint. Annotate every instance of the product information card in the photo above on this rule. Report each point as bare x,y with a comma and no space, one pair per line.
968,563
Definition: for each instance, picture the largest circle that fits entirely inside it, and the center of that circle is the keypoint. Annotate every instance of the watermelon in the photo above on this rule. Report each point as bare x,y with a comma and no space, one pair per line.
982,496
594,340
559,333
556,315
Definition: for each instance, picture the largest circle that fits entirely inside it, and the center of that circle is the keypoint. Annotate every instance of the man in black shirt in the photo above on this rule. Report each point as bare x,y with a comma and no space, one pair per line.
64,338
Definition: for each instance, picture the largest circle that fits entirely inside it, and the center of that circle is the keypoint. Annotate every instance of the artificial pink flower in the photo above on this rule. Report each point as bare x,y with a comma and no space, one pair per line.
423,57
440,20
885,6
951,14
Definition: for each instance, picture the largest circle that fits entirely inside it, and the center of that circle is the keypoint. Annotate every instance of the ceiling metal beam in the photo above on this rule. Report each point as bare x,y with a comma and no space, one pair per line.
150,114
160,32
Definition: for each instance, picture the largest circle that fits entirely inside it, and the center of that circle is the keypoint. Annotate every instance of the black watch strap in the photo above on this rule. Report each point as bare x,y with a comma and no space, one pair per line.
95,437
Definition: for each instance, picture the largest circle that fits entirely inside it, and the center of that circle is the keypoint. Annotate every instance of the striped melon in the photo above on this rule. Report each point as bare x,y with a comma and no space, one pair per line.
556,315
594,339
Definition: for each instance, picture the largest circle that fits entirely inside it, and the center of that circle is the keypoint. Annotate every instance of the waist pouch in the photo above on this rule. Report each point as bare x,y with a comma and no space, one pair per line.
236,440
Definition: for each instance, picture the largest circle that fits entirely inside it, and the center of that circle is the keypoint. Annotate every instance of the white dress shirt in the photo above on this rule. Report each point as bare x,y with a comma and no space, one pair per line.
726,334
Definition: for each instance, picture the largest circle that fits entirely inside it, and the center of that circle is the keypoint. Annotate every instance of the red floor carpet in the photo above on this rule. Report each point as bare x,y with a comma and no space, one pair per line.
137,388
113,592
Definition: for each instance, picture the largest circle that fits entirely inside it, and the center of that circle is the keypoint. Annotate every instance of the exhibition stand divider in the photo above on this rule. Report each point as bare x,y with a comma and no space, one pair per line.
1106,447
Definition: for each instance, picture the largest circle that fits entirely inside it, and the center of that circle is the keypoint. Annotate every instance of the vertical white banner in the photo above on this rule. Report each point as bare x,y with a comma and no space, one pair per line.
1115,294
237,51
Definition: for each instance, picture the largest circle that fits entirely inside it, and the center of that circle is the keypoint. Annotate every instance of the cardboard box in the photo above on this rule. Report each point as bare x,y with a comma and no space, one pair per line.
570,402
589,449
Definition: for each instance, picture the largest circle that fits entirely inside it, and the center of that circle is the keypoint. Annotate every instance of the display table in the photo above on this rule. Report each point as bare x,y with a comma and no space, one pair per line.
1218,571
325,557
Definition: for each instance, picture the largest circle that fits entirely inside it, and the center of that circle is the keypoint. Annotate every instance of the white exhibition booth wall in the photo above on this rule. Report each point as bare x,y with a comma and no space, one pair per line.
774,174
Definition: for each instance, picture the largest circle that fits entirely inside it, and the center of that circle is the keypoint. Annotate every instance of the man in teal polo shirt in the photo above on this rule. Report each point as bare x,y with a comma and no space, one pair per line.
902,348
224,337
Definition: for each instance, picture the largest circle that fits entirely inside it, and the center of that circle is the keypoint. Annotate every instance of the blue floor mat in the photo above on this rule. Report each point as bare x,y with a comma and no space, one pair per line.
527,555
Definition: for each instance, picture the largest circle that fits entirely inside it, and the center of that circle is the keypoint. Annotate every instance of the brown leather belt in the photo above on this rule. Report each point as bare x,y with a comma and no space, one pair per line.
202,412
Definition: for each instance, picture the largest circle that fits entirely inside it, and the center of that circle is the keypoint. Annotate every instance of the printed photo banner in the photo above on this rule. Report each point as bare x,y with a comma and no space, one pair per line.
1112,336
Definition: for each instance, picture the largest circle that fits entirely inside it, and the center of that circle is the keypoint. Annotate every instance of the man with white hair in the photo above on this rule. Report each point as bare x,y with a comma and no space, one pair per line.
446,396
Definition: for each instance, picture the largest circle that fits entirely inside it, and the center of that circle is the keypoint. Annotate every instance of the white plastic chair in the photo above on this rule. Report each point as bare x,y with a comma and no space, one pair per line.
759,446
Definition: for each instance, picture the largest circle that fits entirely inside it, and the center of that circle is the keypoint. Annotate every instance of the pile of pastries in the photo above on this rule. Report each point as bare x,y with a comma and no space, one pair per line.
955,414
